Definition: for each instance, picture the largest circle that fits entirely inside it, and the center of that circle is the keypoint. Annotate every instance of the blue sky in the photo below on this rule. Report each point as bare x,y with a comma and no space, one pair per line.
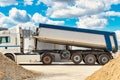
41,7
90,14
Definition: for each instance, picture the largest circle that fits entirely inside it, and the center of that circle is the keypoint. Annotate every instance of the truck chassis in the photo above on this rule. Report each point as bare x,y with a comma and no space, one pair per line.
89,57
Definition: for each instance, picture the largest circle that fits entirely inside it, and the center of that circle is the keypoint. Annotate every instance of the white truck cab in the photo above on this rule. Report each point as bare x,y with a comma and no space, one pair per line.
10,41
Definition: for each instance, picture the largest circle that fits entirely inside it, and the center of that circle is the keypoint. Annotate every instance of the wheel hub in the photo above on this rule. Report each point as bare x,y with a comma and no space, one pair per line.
77,58
104,59
90,60
47,59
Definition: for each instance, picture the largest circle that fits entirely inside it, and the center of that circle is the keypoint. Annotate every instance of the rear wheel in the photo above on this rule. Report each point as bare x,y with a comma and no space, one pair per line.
76,58
10,56
47,59
103,59
90,59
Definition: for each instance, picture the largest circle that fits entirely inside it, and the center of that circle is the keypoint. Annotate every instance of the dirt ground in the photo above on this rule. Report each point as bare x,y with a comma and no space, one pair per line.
63,71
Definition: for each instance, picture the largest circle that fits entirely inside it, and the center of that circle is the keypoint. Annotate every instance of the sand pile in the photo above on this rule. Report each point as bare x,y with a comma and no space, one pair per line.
110,71
9,70
117,54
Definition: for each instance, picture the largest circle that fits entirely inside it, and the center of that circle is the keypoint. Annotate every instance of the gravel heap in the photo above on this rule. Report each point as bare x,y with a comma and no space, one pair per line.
110,71
9,70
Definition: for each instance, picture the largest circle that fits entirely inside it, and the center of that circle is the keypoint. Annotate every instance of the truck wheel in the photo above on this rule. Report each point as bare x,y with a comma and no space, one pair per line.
90,59
76,58
65,55
47,59
103,59
10,56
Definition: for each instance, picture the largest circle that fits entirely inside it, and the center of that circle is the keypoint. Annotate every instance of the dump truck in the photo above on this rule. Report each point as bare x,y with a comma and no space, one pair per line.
53,43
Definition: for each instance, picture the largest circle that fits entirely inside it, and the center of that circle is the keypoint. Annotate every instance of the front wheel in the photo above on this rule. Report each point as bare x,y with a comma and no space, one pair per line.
47,59
10,56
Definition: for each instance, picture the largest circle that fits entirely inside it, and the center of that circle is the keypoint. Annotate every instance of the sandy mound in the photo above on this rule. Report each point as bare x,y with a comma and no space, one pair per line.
110,71
117,54
9,70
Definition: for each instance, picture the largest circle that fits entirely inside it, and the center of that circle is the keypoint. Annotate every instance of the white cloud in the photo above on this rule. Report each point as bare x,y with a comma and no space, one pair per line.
6,21
19,15
16,17
96,21
1,15
8,2
91,22
76,8
27,25
51,2
22,18
69,13
113,13
55,22
28,2
77,11
108,3
48,2
38,18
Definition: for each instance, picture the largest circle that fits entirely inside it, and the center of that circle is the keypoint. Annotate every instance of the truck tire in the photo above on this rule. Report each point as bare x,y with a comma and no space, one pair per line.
90,59
103,59
65,55
10,56
76,58
47,59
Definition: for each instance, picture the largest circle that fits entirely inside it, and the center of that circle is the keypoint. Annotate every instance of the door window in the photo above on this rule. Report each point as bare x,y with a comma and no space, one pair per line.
5,39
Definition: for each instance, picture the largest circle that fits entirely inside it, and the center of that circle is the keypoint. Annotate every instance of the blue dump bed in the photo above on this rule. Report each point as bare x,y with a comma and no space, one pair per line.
79,37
